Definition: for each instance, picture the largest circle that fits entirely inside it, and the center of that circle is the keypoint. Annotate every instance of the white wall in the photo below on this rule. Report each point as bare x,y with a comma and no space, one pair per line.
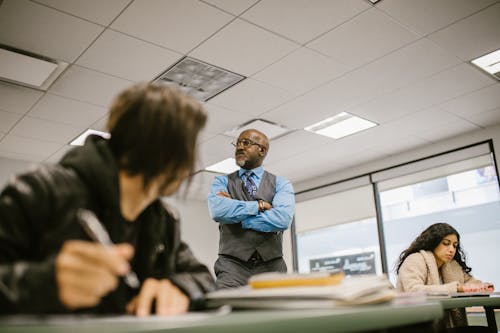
198,230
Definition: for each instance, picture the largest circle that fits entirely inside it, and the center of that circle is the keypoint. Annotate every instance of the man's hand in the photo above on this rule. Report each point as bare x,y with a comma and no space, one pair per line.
224,194
169,300
86,271
265,205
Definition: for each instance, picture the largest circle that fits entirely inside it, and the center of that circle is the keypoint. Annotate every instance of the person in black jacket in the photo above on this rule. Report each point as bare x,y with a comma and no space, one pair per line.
49,264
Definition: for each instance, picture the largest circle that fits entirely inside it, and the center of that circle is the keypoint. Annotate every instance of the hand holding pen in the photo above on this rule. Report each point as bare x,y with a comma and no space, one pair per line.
95,230
86,271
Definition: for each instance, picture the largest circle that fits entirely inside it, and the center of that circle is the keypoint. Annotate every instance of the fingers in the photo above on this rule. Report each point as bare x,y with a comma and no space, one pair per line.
87,271
224,194
169,299
476,287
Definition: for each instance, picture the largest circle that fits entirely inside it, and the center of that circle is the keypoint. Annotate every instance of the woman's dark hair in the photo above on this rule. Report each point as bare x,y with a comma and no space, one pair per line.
429,239
154,129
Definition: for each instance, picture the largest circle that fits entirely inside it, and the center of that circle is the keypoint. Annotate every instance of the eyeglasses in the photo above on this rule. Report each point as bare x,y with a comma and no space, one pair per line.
246,143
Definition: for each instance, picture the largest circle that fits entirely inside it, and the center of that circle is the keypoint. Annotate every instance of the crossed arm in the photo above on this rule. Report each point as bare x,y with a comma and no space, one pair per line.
272,217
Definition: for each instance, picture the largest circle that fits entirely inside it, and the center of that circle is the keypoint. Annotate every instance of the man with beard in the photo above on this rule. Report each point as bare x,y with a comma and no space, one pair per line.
253,207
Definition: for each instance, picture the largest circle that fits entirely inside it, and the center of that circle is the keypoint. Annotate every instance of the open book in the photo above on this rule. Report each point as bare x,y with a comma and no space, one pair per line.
367,289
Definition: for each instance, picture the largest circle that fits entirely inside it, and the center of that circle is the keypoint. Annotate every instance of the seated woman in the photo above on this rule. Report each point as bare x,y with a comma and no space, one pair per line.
434,262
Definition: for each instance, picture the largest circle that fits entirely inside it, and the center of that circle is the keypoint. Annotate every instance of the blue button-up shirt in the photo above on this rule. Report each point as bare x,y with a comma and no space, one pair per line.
226,210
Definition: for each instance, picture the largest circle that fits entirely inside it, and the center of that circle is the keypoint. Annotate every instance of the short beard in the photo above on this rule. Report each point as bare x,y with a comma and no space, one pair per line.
240,162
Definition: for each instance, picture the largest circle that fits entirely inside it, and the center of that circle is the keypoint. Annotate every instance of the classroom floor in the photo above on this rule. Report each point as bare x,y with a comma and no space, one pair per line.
479,318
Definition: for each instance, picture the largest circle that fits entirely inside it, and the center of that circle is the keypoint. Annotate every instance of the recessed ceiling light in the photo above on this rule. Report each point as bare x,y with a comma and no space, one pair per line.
490,63
227,166
340,125
27,69
270,129
81,138
198,79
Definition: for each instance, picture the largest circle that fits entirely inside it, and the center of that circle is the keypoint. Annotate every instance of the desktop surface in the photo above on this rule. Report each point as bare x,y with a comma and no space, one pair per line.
341,319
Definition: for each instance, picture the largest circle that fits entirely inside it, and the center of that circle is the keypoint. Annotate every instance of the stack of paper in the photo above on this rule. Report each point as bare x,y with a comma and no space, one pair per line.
367,289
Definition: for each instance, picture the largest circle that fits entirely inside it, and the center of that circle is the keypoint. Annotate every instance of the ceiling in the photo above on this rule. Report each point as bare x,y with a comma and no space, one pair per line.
403,64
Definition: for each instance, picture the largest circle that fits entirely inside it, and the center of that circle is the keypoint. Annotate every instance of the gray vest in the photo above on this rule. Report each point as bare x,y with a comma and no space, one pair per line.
242,243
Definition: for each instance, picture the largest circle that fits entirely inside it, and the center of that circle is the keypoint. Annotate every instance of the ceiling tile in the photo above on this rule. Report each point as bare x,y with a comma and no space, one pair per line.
88,86
215,150
301,71
100,124
251,97
446,131
67,111
34,128
56,157
302,20
221,119
308,164
26,148
243,48
408,64
7,120
235,7
427,124
127,57
98,11
428,92
426,16
473,36
300,140
348,42
179,25
476,102
17,99
49,32
485,118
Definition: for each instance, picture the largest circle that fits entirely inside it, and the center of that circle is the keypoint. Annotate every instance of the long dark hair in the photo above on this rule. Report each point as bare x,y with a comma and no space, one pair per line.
154,129
429,239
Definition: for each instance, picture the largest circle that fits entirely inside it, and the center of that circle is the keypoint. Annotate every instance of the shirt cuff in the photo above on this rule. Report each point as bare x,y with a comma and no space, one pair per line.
253,207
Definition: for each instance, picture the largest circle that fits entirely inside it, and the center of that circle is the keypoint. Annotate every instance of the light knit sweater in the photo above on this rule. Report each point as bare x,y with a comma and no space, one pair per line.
419,272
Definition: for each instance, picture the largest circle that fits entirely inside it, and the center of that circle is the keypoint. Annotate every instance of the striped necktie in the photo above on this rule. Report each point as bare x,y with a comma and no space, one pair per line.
250,186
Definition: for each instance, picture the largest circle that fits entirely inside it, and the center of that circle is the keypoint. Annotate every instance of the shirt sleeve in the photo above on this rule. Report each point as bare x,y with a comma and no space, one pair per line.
226,210
280,216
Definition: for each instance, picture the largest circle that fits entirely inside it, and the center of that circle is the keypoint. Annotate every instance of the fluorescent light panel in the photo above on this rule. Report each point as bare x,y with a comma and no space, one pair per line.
270,129
227,166
29,70
490,63
81,138
340,125
198,79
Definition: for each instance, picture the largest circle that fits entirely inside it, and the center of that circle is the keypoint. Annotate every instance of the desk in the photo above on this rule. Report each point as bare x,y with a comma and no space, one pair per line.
488,302
352,319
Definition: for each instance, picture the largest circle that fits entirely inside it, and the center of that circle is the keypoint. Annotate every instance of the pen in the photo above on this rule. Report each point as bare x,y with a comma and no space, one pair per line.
95,230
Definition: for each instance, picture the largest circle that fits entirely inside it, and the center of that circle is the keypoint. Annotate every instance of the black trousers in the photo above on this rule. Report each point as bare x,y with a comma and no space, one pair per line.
232,272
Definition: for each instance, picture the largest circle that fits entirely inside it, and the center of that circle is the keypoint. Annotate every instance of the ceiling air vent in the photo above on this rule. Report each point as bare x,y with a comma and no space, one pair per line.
198,79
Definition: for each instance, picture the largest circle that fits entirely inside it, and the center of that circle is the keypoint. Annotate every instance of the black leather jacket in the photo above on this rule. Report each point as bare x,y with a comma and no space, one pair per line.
38,214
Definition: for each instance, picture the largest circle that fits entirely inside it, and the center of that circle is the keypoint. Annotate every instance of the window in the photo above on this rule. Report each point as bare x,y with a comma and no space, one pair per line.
464,194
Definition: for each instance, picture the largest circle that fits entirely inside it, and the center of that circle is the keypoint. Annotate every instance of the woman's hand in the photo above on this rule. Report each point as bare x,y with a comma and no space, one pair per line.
475,287
168,299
